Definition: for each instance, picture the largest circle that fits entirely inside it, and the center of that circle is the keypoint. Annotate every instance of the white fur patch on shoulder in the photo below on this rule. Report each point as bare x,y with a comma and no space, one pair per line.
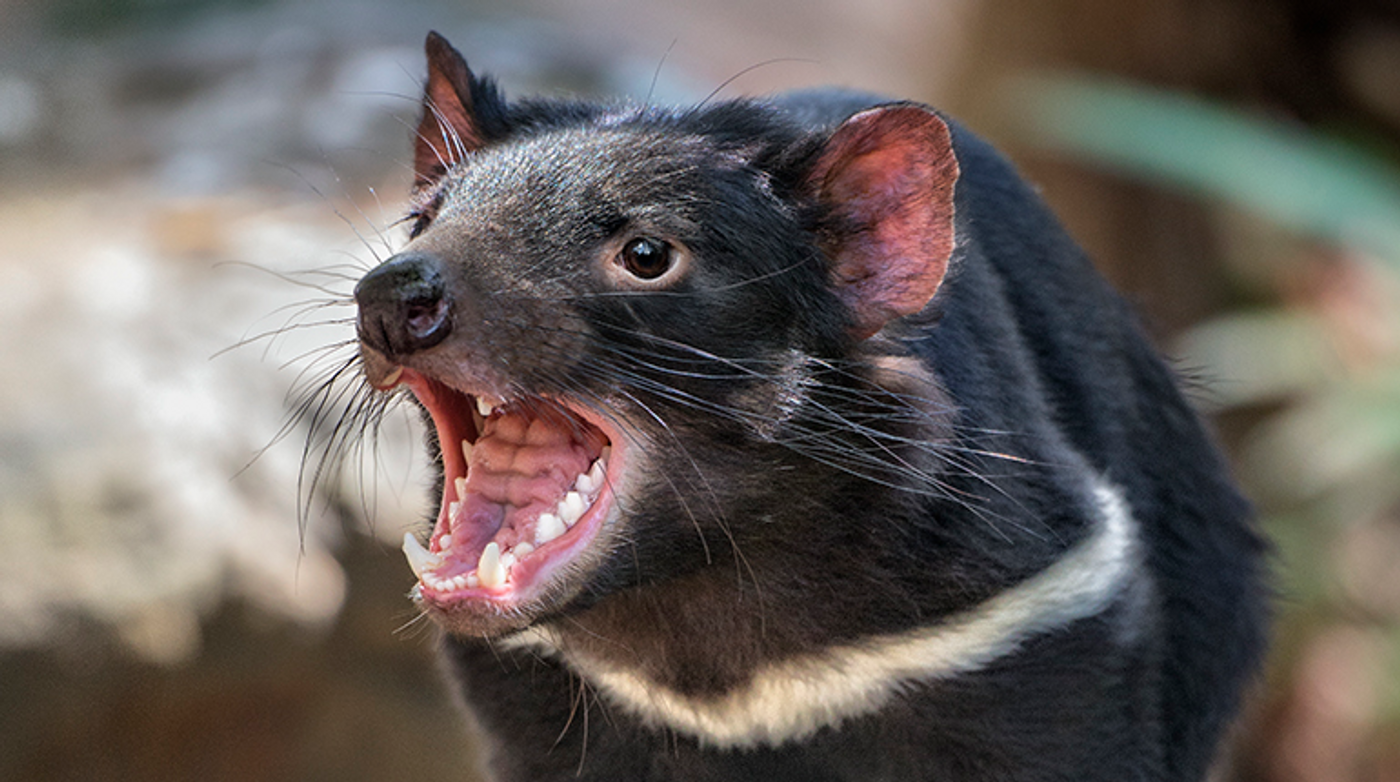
794,698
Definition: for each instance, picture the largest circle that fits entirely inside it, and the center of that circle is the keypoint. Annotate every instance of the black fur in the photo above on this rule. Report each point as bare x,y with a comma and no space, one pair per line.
804,487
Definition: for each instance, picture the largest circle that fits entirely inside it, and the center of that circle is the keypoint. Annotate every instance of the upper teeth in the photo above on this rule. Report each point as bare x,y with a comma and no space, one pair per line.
484,407
494,564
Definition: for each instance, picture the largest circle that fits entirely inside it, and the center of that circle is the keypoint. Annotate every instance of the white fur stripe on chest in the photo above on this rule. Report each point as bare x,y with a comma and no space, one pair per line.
794,698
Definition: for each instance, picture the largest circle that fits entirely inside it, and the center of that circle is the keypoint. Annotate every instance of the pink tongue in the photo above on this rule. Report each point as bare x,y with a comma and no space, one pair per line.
521,466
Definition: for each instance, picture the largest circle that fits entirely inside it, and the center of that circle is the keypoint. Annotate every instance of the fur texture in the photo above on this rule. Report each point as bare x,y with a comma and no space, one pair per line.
897,489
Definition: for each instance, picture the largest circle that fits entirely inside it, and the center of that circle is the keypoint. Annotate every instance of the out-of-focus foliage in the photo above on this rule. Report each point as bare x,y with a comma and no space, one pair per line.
1310,233
1300,180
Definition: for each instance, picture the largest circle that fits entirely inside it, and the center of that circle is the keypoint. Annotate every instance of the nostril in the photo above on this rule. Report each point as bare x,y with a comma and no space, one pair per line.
403,303
425,316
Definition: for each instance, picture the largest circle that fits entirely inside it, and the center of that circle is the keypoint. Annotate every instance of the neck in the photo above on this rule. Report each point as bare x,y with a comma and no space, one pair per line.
736,665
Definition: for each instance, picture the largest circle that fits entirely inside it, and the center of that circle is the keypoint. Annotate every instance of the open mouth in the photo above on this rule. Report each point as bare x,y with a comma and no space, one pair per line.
527,487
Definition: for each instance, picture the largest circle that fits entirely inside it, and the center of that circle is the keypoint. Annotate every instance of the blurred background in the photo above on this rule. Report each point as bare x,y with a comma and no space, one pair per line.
188,189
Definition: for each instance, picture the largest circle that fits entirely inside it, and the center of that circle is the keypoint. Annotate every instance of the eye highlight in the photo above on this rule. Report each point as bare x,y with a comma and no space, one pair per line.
646,258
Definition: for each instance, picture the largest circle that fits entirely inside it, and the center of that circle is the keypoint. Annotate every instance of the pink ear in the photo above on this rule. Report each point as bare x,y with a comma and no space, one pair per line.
886,178
448,129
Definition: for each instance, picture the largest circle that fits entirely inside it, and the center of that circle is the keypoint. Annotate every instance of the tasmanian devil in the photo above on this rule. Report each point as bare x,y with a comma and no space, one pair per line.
793,439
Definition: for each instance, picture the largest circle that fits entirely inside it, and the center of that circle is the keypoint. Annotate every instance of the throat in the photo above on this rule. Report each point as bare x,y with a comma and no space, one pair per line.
744,690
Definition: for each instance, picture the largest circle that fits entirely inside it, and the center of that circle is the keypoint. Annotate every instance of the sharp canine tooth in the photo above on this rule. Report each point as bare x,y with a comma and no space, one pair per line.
452,509
419,558
523,550
571,508
489,568
547,528
467,452
460,485
484,407
390,380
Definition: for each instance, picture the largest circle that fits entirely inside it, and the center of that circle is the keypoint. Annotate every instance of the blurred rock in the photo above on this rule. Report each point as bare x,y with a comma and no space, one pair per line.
130,501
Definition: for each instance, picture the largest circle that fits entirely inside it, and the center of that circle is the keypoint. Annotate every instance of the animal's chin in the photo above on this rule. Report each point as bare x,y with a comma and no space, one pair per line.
528,493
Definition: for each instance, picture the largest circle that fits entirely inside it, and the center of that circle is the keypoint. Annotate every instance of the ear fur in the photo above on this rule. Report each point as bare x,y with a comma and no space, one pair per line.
885,181
450,127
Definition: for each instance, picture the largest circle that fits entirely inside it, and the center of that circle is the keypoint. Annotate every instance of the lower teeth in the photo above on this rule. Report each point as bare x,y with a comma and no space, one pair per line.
490,569
494,565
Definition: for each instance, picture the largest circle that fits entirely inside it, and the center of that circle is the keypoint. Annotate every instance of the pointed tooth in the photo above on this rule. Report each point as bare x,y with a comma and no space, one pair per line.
523,550
467,452
419,558
484,407
390,380
571,508
596,473
548,528
460,484
453,509
489,568
490,556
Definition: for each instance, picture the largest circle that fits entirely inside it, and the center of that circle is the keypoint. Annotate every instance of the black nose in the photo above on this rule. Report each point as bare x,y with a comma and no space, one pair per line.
403,304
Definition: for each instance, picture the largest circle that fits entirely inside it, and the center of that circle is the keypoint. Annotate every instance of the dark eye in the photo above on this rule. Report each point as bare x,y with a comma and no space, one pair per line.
646,258
422,213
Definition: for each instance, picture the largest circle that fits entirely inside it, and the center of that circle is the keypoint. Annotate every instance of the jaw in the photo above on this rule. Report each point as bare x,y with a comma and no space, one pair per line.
528,507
